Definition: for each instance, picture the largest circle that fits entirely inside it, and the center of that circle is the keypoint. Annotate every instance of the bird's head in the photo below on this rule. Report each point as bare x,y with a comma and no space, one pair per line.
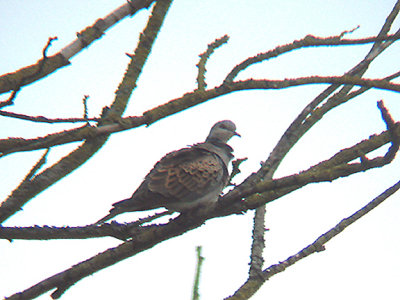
222,131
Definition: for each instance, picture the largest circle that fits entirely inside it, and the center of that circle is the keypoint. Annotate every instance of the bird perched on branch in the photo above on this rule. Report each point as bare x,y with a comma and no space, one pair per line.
186,178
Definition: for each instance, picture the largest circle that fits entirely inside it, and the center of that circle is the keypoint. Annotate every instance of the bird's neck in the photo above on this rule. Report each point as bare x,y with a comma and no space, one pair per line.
223,150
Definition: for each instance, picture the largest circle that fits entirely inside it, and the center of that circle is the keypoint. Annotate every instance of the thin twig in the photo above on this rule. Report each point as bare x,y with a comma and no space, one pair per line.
307,41
10,100
235,169
196,284
42,119
85,108
391,126
349,31
201,81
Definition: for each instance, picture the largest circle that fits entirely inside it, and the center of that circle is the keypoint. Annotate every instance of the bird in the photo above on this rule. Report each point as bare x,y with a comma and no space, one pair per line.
184,179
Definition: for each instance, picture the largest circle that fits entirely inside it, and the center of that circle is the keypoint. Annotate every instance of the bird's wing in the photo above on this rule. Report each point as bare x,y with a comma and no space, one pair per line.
187,174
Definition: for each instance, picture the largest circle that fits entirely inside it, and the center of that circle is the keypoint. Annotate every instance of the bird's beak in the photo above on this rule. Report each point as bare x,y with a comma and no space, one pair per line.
237,134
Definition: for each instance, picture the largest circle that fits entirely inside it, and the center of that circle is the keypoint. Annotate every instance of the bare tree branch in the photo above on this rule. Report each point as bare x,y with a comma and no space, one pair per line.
13,204
308,41
257,190
201,80
16,80
140,240
42,119
113,229
12,145
27,77
307,118
200,259
258,242
252,285
337,166
145,237
76,158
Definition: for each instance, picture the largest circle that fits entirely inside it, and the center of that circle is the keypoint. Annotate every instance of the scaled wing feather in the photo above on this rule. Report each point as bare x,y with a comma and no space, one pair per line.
184,173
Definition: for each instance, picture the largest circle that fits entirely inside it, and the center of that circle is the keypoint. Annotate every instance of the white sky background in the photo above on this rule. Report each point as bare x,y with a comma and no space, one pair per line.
361,263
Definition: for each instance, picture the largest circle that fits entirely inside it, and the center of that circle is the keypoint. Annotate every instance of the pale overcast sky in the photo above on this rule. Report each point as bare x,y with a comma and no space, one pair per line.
362,263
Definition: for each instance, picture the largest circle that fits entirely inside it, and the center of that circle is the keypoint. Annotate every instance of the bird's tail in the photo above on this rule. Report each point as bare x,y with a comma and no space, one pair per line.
121,207
118,208
113,212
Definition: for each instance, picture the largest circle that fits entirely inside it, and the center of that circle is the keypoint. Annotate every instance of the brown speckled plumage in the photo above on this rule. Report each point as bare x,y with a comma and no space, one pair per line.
186,178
